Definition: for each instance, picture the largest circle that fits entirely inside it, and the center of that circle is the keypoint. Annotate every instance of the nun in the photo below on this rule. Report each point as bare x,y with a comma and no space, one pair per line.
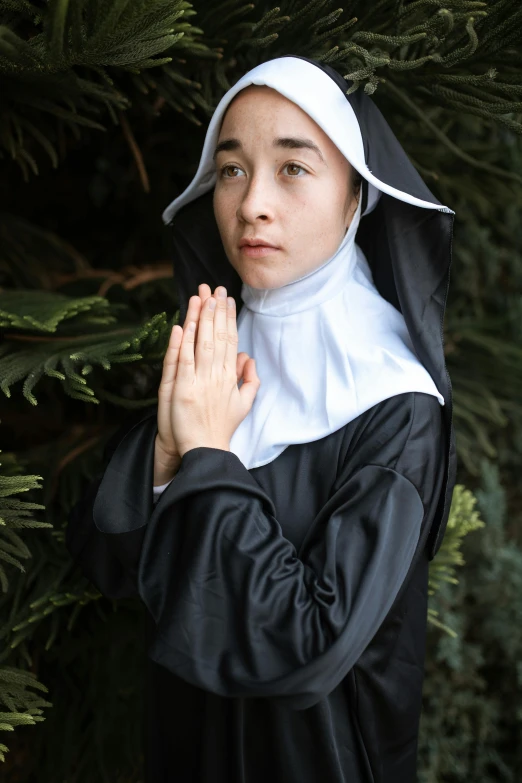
277,511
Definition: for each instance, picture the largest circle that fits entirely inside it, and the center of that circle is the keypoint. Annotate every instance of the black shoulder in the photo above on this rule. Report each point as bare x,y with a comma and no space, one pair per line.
404,433
128,424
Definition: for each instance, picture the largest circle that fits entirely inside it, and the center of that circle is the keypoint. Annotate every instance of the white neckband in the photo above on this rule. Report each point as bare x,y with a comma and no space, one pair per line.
327,346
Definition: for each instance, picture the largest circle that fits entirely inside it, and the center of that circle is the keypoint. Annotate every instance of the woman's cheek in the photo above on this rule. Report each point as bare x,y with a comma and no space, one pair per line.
225,214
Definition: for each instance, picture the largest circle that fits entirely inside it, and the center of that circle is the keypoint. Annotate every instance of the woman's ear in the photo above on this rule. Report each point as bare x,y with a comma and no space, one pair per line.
357,185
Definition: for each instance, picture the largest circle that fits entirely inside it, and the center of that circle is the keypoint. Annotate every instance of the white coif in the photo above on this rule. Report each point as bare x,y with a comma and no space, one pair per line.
327,348
317,94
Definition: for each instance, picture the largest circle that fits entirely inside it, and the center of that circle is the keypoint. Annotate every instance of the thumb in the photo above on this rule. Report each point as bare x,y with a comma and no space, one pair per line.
251,384
240,364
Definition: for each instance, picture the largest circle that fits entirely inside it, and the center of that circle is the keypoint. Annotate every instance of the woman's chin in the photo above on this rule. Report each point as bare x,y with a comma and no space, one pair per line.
260,278
258,272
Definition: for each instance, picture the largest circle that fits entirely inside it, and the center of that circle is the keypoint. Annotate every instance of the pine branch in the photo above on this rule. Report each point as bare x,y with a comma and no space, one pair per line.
70,358
25,707
487,373
463,519
44,311
458,129
52,71
442,137
426,38
15,514
471,702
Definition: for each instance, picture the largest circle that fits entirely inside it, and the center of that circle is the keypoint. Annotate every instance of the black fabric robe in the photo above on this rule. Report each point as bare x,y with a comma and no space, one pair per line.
289,602
408,249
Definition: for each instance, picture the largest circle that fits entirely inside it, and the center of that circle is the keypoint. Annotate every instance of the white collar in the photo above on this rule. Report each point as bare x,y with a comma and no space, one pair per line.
327,347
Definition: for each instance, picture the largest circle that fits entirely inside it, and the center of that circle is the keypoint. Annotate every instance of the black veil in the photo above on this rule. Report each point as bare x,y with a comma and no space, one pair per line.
407,247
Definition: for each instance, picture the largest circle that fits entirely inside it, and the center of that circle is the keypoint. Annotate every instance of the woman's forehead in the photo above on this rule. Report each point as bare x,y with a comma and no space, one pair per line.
265,99
285,124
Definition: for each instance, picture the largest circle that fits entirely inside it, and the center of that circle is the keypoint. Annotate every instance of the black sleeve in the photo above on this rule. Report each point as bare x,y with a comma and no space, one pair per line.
110,561
238,611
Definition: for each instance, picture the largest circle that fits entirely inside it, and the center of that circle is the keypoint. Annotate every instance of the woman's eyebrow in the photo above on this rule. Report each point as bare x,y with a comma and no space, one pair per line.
294,143
287,142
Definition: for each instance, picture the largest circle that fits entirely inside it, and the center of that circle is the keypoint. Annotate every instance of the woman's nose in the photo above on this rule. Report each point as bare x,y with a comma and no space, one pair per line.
257,201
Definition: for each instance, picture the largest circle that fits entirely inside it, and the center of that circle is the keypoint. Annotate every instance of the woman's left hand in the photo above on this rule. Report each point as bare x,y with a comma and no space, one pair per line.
207,404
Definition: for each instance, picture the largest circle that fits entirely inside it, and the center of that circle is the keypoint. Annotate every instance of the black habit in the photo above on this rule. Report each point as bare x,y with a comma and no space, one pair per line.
289,602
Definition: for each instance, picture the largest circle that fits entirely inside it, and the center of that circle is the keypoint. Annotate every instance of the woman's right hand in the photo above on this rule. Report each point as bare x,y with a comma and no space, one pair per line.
167,456
166,449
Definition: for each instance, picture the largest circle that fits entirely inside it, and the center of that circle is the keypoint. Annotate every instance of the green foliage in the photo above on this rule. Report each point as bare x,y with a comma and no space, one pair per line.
472,720
32,618
15,515
120,96
94,730
24,705
56,64
66,64
76,355
43,311
463,519
19,690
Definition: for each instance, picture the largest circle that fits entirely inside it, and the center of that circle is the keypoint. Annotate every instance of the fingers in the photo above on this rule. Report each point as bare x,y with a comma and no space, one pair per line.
230,359
195,304
240,365
221,331
193,310
186,362
250,385
204,350
170,360
204,292
214,341
194,313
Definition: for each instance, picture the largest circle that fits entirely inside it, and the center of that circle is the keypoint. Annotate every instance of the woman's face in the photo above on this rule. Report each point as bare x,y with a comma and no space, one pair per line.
271,187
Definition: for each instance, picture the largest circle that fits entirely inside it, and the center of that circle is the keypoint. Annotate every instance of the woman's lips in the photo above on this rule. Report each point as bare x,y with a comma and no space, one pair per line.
255,251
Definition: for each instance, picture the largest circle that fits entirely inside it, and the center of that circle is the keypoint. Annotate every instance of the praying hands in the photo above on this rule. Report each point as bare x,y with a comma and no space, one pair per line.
199,400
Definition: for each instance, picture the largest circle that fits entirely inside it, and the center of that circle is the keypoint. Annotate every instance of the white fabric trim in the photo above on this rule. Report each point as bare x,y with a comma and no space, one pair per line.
158,490
327,346
318,95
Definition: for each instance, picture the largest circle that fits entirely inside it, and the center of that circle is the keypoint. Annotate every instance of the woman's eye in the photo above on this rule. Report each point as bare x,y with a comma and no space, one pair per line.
294,166
293,169
236,168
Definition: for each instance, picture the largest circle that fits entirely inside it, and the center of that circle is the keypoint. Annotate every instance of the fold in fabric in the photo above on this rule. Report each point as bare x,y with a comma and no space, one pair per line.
406,240
120,493
328,346
158,490
322,367
238,613
279,597
238,610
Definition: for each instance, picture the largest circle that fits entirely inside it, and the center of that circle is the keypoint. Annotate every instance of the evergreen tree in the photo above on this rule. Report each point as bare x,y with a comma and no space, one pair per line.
471,722
104,109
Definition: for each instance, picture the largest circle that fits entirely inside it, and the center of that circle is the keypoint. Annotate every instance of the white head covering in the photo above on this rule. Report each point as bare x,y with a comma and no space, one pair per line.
327,346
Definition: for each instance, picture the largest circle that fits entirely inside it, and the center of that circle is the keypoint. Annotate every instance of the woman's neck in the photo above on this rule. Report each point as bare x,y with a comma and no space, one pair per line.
312,289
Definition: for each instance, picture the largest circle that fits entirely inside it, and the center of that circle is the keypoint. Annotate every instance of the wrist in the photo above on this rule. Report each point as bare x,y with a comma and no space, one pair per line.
203,445
165,465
